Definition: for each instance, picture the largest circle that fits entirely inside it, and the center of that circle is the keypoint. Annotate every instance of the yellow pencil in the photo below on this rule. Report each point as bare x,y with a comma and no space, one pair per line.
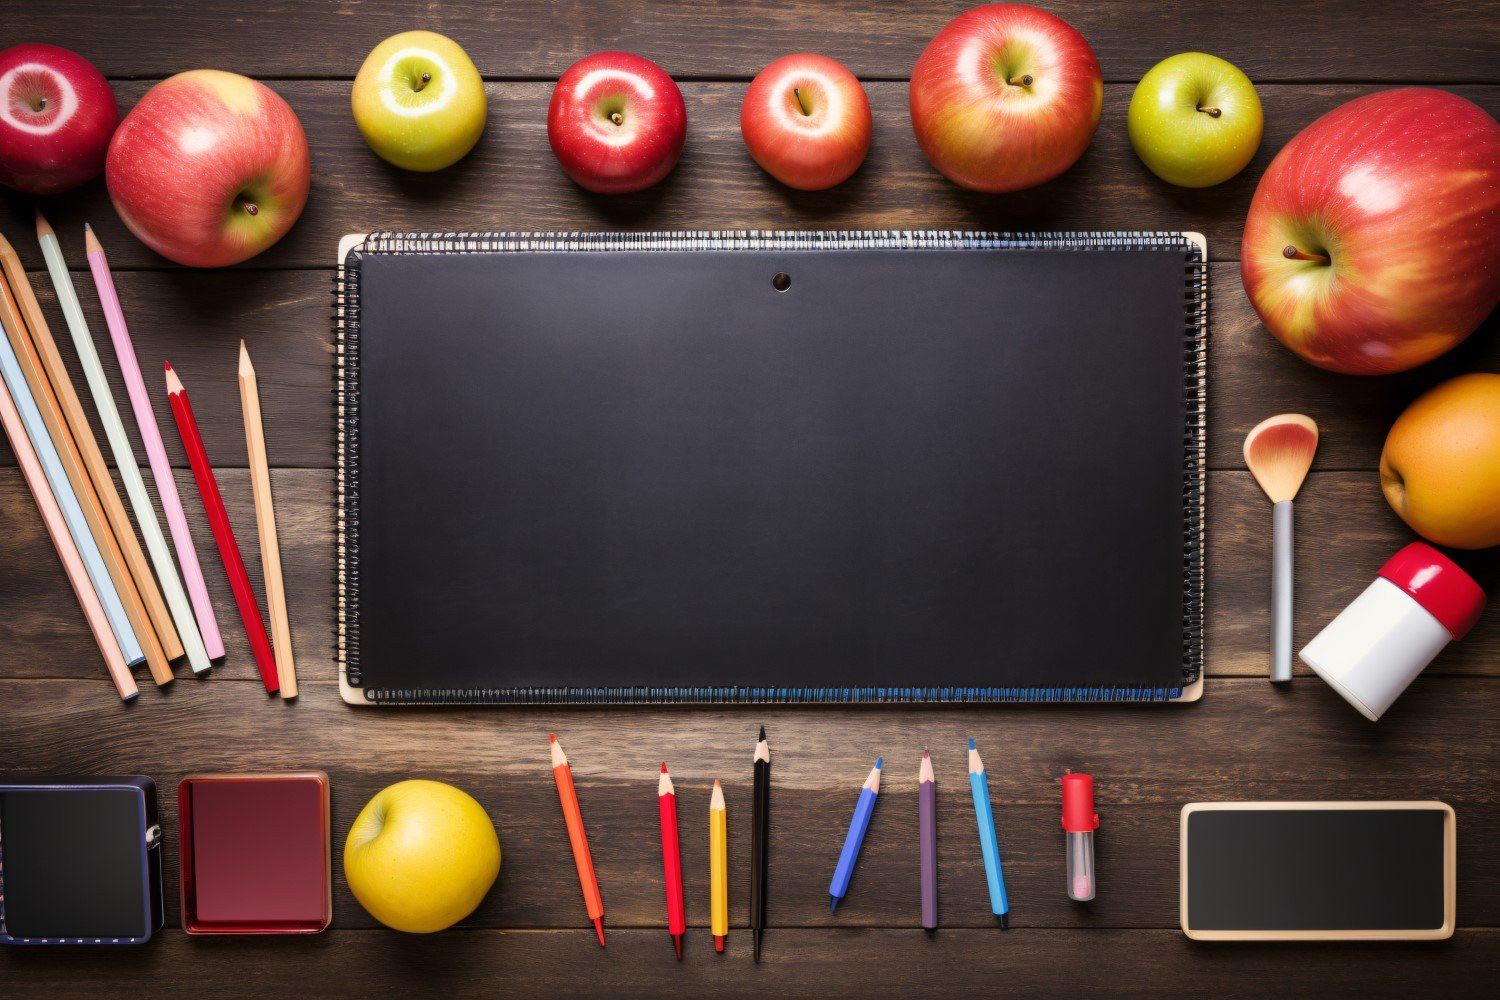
718,867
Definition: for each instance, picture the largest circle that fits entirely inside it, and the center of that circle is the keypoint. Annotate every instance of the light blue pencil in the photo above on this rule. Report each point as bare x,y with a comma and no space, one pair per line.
67,501
989,844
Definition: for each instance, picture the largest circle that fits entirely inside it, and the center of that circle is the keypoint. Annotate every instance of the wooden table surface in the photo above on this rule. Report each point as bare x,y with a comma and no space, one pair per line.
1245,740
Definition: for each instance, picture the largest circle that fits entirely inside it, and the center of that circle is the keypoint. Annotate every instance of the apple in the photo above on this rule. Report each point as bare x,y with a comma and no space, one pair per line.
56,116
209,169
1440,468
806,121
1005,97
1195,120
418,101
1373,240
616,123
421,855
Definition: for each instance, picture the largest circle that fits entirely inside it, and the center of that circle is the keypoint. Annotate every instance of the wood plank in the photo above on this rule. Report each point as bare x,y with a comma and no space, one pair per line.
1244,740
1345,531
1432,40
511,181
808,964
197,319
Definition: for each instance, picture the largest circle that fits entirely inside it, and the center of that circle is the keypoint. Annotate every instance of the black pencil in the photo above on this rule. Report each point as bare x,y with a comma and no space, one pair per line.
760,840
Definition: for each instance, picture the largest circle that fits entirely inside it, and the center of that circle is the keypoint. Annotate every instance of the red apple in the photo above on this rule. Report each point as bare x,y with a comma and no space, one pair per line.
209,169
1373,241
616,122
806,121
56,116
1005,97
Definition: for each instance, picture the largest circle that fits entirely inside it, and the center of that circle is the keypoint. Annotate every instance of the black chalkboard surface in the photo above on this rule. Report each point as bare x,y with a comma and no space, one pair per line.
1317,870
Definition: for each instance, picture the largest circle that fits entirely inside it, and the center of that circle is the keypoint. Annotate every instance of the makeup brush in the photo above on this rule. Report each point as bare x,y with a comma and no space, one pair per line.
1279,451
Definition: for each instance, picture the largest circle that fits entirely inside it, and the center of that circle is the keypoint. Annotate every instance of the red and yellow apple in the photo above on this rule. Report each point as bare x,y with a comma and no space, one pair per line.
1005,97
806,121
56,116
1373,241
209,169
616,122
1440,468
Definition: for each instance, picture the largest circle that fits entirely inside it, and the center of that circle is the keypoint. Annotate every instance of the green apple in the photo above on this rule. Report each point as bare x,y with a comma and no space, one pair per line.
1195,120
419,102
421,855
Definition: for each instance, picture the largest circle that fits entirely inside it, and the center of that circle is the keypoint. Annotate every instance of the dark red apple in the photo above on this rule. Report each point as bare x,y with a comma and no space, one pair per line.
1005,97
1373,240
209,169
806,121
56,116
616,122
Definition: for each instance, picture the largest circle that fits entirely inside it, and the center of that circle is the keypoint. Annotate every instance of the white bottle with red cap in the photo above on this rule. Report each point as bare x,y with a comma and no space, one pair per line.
1420,602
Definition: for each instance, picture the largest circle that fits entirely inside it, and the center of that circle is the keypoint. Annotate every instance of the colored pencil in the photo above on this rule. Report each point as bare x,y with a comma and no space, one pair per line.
52,388
218,520
130,474
265,523
671,859
718,868
62,541
927,840
156,452
989,844
16,357
760,841
855,839
568,795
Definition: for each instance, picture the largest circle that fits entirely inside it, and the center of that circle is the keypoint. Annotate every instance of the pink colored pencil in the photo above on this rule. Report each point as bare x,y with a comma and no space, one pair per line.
156,452
67,551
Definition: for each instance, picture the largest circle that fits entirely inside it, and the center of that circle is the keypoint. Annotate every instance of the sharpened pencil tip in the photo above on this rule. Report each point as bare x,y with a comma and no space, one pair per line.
663,767
925,754
551,737
762,733
971,743
43,227
879,763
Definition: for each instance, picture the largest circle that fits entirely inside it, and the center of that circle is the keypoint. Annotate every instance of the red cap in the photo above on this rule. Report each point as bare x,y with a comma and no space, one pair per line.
1434,581
1078,803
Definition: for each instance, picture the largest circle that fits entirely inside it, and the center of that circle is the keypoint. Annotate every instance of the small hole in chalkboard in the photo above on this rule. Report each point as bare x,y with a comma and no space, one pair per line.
781,281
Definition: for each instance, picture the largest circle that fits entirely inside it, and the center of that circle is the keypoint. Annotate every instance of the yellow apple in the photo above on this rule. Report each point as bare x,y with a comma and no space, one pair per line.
419,102
421,855
1441,465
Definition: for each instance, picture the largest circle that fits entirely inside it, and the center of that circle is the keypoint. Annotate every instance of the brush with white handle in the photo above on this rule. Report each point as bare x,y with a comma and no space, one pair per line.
1279,452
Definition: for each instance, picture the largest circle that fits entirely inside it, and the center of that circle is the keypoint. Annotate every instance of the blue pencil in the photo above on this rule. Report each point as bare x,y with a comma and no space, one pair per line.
856,836
67,501
989,845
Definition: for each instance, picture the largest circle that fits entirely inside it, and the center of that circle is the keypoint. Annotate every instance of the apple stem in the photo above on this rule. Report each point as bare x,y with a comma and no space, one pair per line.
1211,112
1023,80
40,105
617,118
251,209
426,79
1292,253
801,104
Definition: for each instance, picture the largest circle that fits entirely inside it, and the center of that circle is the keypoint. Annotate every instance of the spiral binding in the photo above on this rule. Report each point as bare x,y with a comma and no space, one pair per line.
346,296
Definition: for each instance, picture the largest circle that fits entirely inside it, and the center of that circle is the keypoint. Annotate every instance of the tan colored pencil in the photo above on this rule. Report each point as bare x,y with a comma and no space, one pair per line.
265,522
72,462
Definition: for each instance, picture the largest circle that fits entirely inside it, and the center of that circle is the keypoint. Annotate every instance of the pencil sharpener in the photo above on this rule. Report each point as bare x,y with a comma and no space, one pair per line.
80,861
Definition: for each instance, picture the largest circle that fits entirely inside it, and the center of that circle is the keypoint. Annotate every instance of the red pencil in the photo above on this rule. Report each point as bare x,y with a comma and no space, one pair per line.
671,859
218,519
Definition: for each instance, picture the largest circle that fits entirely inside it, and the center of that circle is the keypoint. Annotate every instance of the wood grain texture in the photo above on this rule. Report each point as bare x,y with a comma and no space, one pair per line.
1332,39
512,181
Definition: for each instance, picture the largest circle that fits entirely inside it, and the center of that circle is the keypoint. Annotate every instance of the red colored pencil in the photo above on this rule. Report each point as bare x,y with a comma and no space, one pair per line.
671,859
218,519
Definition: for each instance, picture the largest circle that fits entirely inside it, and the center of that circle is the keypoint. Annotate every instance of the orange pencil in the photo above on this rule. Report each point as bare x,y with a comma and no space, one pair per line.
568,796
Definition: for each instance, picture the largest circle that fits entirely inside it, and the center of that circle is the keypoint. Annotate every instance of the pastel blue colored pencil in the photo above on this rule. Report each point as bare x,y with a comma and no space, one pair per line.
989,844
67,501
855,839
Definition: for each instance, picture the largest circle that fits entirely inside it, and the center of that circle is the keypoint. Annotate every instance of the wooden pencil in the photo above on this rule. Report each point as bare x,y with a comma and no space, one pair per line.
265,523
101,501
760,842
67,551
718,868
671,858
578,838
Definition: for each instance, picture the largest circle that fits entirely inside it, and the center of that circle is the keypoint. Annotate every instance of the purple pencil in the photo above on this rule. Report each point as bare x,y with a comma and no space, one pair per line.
927,827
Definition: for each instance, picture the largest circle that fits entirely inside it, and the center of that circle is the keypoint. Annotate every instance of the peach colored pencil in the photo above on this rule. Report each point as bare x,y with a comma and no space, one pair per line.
88,599
265,523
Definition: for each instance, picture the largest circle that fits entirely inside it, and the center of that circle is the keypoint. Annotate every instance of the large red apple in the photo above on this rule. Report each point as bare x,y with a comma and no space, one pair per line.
806,121
1005,97
1373,241
56,116
616,122
209,169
